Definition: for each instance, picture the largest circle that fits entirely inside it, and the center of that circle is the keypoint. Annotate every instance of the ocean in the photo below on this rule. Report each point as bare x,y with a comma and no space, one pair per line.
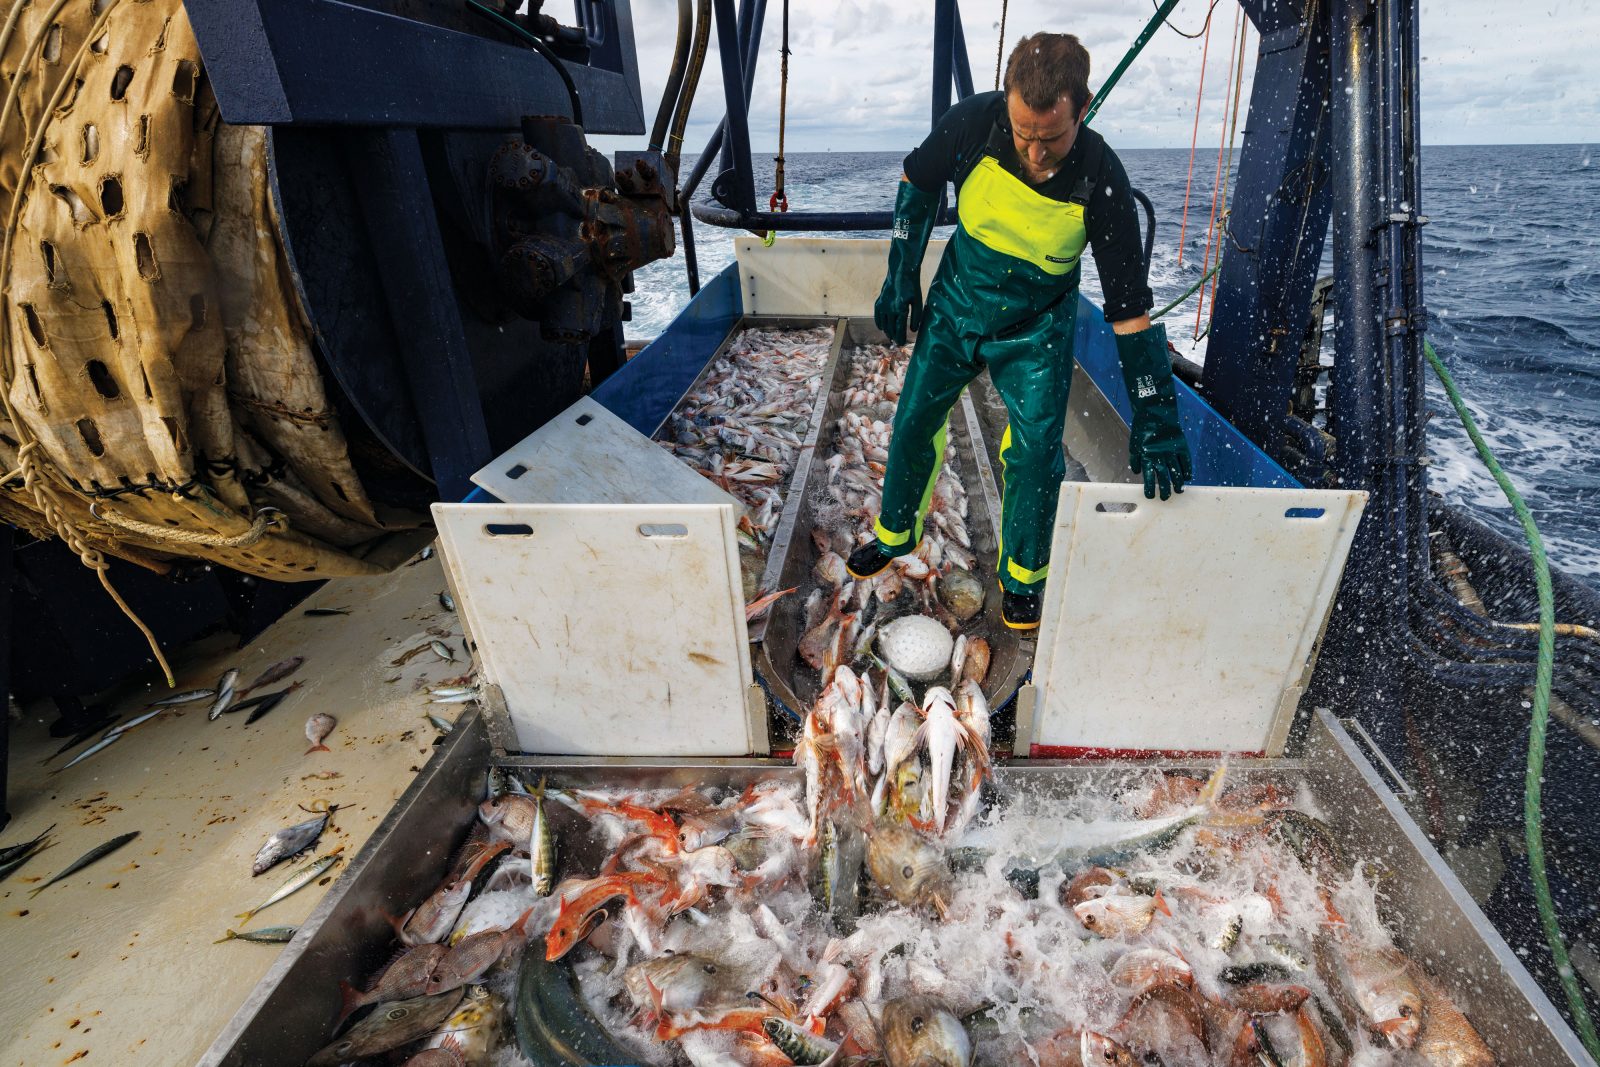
1512,287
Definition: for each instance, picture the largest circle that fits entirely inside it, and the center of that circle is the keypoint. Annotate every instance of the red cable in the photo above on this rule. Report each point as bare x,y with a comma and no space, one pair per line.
1216,182
1194,139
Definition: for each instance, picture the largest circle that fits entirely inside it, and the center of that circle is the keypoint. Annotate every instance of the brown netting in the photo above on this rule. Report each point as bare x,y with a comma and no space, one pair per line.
156,363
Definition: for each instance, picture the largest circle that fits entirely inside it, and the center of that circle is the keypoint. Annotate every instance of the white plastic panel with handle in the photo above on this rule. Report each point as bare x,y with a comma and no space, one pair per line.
611,629
1184,625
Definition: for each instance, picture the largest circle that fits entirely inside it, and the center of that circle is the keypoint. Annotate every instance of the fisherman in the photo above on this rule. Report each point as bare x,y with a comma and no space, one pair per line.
1034,187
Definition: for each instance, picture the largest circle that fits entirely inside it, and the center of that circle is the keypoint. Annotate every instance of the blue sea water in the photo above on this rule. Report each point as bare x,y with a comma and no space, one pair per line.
1512,285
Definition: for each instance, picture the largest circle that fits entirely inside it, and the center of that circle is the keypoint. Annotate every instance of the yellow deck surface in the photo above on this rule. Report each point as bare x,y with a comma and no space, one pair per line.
115,965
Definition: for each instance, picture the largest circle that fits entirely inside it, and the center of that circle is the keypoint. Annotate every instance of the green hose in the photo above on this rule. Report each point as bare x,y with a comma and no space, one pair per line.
1139,42
1187,293
1532,819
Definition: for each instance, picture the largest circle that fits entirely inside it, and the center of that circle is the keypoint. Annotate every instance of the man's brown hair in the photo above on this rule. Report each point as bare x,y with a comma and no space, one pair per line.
1047,66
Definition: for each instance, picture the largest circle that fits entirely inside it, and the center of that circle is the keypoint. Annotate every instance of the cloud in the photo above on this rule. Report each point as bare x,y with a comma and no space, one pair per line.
860,70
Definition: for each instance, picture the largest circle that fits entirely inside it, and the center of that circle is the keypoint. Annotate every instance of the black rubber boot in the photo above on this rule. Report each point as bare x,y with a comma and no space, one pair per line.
868,560
1020,611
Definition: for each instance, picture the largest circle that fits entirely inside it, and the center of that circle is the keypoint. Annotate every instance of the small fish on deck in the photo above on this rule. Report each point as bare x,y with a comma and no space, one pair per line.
275,673
298,880
95,854
318,727
266,935
290,841
319,613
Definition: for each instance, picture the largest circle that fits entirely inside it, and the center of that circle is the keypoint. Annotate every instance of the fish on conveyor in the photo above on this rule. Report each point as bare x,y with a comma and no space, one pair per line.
442,650
298,880
318,613
318,727
542,847
1447,1038
908,866
435,917
1120,914
390,1026
226,693
266,935
471,957
290,841
275,673
918,1031
99,852
511,817
473,1034
798,1043
405,977
440,723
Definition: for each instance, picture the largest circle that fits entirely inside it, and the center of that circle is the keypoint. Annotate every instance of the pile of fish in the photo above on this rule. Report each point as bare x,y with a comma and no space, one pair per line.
842,616
895,906
743,423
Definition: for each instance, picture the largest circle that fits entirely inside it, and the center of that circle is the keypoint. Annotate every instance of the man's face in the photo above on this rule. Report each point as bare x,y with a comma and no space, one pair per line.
1043,138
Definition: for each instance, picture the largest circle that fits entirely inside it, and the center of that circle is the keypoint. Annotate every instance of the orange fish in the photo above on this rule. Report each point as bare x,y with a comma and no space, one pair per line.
582,911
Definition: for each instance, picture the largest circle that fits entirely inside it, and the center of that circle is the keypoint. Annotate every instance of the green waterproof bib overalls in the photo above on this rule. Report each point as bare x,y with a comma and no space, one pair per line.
1005,297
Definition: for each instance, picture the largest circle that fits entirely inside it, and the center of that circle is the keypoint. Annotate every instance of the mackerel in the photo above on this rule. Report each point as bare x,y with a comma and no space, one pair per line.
297,881
95,854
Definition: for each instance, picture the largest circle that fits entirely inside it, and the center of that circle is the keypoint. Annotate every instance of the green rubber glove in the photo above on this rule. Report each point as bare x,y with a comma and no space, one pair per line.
1156,446
902,288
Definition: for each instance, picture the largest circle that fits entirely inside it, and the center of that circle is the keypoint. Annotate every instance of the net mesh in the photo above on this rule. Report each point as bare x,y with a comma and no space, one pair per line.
154,346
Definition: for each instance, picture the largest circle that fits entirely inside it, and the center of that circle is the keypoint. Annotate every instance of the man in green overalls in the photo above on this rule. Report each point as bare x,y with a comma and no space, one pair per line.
1034,188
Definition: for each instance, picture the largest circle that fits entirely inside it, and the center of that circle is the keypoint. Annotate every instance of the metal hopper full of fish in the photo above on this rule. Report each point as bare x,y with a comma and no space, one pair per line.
889,903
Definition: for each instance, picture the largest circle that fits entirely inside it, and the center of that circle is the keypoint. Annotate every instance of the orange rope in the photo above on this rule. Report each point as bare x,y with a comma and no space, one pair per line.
1194,139
1227,170
1216,181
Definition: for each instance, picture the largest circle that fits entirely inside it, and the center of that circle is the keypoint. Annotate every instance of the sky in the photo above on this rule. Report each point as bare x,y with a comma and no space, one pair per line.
860,70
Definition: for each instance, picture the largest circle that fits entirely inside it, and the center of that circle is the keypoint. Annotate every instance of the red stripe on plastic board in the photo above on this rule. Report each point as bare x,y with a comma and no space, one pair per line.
1081,752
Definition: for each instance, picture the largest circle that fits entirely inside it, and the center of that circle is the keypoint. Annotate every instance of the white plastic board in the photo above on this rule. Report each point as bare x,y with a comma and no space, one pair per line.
586,455
818,275
611,629
1184,625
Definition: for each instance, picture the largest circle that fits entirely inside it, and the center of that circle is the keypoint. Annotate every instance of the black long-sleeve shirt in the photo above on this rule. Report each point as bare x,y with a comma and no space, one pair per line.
964,135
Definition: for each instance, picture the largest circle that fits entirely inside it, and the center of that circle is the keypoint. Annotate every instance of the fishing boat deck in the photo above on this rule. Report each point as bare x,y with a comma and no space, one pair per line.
116,964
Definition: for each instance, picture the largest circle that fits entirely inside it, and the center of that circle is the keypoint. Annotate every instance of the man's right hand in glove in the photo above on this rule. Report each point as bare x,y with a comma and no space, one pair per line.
901,296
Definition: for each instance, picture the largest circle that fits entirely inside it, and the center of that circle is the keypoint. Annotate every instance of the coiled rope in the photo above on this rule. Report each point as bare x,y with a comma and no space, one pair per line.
265,519
1532,814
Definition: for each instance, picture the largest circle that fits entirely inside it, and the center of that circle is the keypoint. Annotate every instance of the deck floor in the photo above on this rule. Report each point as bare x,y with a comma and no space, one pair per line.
116,964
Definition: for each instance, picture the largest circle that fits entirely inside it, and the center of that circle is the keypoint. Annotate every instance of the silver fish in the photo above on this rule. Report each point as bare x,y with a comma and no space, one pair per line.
442,650
96,853
266,935
440,723
183,698
225,692
302,877
458,698
290,841
100,745
447,602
